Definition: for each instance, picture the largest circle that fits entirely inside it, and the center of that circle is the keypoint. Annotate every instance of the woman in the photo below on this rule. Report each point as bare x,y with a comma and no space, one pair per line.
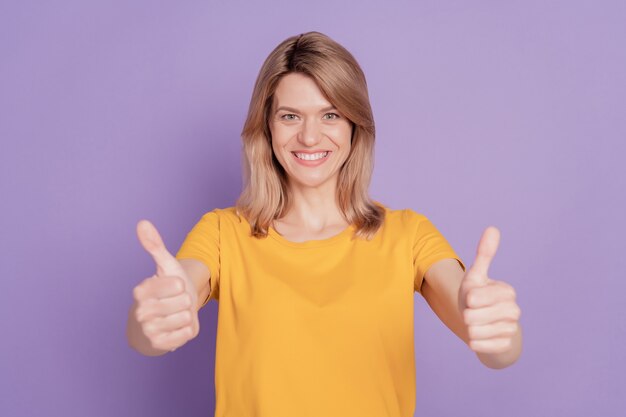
316,281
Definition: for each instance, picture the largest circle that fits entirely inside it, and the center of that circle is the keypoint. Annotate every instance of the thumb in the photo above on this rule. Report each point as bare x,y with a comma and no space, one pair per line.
487,247
153,244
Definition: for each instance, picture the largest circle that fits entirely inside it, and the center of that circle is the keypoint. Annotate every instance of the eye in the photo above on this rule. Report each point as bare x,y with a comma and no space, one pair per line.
288,116
333,116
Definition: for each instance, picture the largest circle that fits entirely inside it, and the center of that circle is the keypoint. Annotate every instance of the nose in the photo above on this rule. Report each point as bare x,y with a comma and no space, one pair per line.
310,134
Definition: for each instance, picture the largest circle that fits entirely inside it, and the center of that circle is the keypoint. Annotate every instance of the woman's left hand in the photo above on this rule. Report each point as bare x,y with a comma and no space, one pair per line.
488,306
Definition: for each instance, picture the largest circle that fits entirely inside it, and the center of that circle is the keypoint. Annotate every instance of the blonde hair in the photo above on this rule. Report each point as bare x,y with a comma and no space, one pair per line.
265,196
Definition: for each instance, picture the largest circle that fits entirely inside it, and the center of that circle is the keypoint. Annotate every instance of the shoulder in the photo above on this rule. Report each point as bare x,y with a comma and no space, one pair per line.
225,213
405,218
413,217
403,222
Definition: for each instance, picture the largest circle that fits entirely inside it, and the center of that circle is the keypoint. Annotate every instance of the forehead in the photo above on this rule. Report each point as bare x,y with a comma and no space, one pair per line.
299,90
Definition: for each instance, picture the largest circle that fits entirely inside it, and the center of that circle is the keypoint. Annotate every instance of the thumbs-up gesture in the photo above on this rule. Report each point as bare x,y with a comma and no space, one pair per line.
488,307
165,302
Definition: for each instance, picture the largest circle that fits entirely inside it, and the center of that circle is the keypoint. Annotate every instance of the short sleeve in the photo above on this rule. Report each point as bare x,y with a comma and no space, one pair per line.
203,244
429,246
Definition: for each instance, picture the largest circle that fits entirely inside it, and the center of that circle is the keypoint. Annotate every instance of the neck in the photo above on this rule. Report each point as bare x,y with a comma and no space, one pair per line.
313,208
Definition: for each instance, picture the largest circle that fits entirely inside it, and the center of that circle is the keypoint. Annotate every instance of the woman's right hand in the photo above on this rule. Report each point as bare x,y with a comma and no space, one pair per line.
165,303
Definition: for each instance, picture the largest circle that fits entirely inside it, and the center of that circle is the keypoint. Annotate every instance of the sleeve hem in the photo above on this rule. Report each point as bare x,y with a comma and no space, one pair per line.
428,262
213,293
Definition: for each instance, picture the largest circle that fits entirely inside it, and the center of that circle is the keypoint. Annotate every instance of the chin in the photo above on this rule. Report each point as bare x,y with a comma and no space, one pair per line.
309,182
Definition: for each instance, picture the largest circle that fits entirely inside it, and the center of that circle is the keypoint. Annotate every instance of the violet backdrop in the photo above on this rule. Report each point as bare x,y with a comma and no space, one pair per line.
505,113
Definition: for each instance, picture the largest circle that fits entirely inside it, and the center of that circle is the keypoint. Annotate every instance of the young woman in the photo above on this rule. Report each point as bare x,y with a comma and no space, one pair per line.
315,280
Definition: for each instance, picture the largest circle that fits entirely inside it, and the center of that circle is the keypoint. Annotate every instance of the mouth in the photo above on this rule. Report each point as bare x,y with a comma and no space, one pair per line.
311,159
311,156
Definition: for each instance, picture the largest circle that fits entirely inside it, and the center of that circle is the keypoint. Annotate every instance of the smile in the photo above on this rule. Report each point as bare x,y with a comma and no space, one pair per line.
311,157
311,160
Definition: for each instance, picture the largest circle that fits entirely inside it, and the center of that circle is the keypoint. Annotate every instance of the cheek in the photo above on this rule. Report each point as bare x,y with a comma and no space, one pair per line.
342,134
280,136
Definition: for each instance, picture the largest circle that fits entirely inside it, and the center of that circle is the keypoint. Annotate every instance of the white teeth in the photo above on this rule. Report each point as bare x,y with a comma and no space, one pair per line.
311,157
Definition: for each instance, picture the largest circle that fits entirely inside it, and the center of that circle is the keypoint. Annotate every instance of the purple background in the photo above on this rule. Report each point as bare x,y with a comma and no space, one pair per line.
504,113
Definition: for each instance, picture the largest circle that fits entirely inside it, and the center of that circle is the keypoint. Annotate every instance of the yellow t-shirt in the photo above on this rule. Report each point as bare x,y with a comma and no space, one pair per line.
321,328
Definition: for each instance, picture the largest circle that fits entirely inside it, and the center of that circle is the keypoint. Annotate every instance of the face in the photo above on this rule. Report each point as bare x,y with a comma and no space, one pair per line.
310,138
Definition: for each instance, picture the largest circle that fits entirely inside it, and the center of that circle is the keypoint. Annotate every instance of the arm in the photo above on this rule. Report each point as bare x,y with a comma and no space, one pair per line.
441,289
201,277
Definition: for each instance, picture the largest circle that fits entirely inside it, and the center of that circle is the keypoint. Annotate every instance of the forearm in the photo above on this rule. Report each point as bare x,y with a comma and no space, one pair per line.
443,305
136,338
504,359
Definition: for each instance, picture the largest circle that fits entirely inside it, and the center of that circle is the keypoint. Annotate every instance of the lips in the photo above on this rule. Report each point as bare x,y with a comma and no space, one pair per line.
311,162
311,156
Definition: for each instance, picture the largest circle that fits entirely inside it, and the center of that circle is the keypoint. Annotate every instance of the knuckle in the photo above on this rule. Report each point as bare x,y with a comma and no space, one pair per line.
157,343
467,315
185,333
178,284
138,293
139,314
472,332
473,293
186,316
187,300
510,329
499,349
470,299
509,290
507,344
148,330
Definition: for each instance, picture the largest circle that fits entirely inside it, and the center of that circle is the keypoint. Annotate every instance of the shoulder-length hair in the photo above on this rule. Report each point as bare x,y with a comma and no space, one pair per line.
265,195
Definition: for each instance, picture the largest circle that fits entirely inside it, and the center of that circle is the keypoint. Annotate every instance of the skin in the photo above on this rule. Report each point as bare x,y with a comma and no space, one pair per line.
164,313
481,311
302,119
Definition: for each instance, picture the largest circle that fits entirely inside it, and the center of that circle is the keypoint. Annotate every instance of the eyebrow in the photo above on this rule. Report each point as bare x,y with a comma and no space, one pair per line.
291,109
